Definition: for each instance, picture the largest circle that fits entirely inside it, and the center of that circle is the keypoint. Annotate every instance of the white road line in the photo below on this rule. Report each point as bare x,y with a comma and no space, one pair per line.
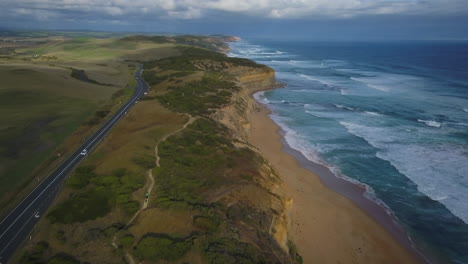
17,233
58,176
113,120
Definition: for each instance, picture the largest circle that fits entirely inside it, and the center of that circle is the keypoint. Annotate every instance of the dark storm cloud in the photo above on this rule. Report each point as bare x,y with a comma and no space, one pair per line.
260,17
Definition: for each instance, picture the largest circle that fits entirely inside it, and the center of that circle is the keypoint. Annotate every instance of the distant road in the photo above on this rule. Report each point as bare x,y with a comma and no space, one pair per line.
18,224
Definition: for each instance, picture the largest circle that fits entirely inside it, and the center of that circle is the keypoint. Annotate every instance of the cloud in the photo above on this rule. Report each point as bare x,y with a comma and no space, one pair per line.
195,9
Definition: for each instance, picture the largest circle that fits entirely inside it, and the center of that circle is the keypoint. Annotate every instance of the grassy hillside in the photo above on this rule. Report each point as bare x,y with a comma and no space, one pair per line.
170,184
46,111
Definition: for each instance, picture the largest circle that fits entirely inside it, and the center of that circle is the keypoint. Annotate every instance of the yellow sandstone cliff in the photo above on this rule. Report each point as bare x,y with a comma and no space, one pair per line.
236,116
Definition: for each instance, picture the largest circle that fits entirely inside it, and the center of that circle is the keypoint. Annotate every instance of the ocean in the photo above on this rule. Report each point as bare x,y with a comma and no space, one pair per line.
390,116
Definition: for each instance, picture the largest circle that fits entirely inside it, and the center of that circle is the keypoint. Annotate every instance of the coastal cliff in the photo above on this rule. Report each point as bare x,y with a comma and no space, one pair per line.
177,180
326,227
236,116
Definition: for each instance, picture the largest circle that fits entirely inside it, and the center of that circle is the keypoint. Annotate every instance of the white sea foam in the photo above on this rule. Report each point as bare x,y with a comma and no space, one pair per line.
430,123
439,170
372,113
302,90
369,84
323,80
335,63
344,107
344,92
260,97
305,64
311,152
465,109
387,82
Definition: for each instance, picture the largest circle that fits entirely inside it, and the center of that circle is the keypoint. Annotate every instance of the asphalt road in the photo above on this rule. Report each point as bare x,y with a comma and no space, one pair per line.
18,224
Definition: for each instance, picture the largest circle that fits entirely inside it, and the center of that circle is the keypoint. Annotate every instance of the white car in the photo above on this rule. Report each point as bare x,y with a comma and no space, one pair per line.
84,152
145,93
36,215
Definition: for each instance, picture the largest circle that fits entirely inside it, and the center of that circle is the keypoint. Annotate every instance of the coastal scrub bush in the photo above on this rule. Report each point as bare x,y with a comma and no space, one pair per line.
157,247
293,252
207,224
199,97
230,251
34,255
196,161
63,258
81,177
82,207
127,240
145,161
184,62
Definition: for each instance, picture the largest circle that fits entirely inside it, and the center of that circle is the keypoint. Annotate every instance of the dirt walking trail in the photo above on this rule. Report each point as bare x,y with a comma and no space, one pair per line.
150,184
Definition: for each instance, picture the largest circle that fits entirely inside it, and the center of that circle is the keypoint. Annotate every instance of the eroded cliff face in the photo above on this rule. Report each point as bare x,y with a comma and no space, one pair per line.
236,116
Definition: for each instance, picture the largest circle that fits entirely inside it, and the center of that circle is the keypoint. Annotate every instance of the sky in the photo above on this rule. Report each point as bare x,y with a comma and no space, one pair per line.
278,19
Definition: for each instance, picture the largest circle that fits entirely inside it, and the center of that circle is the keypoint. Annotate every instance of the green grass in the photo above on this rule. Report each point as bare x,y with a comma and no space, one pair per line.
33,123
40,107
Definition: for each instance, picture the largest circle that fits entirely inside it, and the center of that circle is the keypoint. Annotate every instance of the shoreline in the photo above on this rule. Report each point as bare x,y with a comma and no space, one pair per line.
331,219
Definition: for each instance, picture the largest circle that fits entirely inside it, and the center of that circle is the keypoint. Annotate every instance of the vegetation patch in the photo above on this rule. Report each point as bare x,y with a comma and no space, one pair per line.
127,240
207,224
82,76
63,258
293,252
161,247
193,54
200,97
35,254
82,207
230,251
81,177
153,78
115,189
199,160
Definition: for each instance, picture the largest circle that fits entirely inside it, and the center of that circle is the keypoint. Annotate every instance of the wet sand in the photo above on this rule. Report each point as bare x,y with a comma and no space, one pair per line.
326,226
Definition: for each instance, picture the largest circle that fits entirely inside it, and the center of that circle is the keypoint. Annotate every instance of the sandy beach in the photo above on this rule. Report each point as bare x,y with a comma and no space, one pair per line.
325,226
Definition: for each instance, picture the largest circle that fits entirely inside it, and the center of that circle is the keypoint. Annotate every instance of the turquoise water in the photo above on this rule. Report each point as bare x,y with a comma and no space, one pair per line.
391,116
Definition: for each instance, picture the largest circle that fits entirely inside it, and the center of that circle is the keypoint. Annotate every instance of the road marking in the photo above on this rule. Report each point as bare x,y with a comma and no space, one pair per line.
112,120
39,195
141,87
17,233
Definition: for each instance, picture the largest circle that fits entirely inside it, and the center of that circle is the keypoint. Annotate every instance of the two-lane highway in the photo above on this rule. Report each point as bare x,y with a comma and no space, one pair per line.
17,225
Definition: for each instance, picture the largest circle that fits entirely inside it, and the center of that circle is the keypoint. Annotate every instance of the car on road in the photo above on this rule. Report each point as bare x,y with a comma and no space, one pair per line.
84,152
36,215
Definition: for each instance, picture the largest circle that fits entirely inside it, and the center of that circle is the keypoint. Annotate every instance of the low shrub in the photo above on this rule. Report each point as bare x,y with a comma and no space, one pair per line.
230,251
82,207
161,247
